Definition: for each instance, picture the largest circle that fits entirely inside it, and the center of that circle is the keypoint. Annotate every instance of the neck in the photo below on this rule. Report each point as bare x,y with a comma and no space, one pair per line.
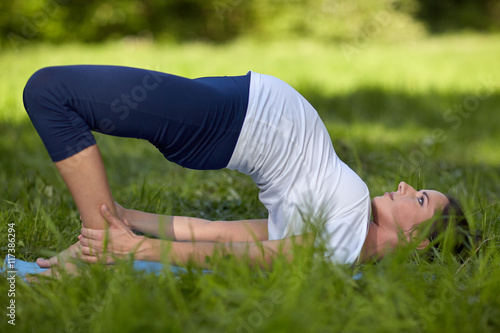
378,241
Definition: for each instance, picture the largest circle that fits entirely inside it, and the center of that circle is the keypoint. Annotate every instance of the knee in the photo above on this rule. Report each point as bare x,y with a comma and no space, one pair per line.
39,86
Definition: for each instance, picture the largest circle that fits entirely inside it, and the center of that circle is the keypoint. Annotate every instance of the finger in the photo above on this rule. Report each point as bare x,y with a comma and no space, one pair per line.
112,220
94,259
88,251
90,259
47,263
44,263
106,213
94,245
97,234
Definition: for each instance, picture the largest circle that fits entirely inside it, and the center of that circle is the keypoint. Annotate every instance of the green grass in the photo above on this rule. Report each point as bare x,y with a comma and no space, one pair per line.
387,111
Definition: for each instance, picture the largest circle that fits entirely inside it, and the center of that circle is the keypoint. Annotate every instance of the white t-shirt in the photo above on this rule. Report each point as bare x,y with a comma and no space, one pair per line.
286,149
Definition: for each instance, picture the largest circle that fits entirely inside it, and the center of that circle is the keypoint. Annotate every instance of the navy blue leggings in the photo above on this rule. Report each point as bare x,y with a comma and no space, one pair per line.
193,122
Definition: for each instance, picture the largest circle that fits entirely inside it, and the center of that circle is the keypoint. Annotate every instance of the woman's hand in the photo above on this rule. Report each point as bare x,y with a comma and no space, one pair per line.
116,241
74,250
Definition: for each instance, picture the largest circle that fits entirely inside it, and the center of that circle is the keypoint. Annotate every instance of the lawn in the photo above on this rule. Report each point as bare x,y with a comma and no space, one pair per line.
426,112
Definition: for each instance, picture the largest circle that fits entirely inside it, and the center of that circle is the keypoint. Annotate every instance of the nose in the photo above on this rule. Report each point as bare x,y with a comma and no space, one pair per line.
404,188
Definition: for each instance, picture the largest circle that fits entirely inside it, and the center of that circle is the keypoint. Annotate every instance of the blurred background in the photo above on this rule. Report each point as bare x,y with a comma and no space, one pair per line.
330,21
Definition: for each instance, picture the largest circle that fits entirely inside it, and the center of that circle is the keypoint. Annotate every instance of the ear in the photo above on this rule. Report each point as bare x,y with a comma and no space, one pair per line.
414,235
423,244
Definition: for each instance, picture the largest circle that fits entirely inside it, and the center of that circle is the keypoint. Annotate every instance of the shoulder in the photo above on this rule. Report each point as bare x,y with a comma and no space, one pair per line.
346,227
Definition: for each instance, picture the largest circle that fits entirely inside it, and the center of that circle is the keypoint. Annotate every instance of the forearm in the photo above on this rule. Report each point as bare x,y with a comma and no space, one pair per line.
120,241
152,224
183,228
180,253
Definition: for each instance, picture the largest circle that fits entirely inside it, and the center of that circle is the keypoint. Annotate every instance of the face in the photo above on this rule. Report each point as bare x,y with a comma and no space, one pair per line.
407,207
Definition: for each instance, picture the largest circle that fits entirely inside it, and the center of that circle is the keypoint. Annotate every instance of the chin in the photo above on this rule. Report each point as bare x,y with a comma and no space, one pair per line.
375,200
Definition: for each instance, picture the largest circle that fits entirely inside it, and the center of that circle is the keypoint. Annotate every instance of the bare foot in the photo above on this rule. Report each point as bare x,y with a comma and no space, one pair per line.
54,272
71,252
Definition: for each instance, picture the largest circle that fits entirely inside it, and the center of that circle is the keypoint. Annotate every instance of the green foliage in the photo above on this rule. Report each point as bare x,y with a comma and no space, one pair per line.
22,22
93,21
452,15
383,106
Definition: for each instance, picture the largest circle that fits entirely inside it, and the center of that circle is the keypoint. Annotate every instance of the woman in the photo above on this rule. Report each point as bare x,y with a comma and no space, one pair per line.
256,124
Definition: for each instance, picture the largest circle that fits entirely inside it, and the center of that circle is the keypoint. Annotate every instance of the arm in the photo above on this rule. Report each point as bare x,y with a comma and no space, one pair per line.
255,253
178,228
183,228
121,241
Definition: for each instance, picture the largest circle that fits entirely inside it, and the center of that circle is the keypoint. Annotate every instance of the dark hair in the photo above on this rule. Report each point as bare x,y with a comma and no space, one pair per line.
452,218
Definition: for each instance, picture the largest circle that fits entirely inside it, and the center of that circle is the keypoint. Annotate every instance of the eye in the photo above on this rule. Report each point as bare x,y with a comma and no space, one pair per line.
421,201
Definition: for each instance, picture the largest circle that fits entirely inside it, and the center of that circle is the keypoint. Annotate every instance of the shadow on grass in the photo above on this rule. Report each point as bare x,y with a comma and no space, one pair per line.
396,109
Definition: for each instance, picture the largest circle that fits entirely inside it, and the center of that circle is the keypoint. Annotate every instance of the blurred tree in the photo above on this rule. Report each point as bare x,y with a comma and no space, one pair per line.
355,21
93,21
452,15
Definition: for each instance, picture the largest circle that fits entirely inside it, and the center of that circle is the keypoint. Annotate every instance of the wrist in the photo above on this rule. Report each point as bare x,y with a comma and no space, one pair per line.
143,248
127,216
150,249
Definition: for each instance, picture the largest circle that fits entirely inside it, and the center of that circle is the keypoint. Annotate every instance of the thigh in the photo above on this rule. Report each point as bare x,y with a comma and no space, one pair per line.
193,122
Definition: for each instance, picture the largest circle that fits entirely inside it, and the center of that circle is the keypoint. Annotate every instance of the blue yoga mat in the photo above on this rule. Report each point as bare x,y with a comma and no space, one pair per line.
21,267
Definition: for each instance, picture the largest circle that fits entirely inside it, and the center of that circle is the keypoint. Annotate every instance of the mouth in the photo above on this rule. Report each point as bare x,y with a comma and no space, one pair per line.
390,195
